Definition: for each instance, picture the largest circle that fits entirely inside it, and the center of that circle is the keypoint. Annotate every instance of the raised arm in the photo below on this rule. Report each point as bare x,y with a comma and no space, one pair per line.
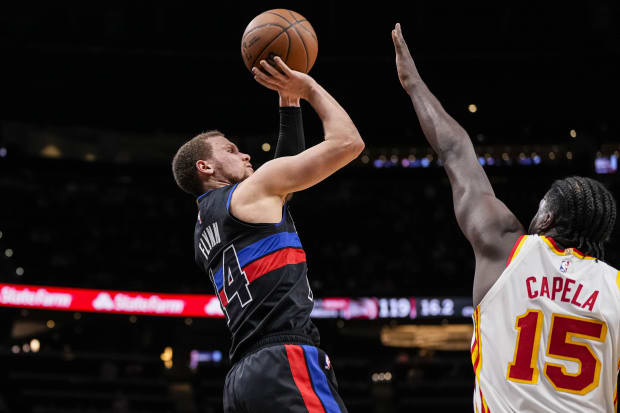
491,228
259,198
342,142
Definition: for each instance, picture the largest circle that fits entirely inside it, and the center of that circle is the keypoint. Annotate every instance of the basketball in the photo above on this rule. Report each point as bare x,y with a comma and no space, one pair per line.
280,32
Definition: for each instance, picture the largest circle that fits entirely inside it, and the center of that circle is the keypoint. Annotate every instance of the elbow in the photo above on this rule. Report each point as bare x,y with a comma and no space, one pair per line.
453,152
355,144
353,149
358,146
349,144
451,139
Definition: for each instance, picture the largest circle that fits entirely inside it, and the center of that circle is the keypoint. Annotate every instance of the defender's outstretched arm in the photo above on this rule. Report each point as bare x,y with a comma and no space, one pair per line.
488,224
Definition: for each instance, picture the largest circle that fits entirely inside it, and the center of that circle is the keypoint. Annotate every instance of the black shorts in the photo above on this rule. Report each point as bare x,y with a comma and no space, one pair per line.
283,378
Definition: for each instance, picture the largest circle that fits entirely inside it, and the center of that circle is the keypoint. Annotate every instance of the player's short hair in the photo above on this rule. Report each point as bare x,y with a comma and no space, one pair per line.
184,162
584,213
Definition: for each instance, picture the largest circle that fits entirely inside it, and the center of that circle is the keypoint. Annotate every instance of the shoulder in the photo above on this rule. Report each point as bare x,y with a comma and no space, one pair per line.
523,243
499,244
254,190
252,205
611,273
490,226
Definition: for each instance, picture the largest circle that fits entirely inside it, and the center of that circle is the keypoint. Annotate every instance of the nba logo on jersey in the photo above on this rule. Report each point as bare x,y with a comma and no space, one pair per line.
564,266
328,363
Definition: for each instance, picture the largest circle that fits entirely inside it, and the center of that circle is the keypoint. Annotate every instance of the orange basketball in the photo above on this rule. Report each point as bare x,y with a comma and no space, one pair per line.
280,32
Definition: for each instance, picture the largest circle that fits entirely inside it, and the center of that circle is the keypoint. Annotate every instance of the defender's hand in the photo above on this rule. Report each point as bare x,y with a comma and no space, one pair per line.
286,81
407,72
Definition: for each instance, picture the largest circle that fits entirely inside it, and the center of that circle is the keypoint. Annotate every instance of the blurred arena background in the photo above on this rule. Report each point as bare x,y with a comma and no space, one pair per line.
97,96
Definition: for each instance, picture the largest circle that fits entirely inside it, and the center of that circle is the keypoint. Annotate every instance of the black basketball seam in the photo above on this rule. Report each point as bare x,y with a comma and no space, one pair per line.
266,46
301,21
304,43
288,50
262,25
292,15
284,30
276,25
279,15
306,29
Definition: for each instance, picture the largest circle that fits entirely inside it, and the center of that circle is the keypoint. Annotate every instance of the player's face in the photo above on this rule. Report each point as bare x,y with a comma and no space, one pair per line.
230,164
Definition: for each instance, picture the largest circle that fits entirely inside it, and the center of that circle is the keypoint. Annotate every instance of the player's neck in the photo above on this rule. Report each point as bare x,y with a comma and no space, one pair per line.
215,183
557,238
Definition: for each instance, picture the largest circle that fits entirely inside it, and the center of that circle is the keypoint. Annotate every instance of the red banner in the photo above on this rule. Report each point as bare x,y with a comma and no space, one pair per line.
208,305
105,301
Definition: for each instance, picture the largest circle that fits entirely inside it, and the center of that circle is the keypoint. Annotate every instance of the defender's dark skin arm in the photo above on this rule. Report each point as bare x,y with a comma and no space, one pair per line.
491,228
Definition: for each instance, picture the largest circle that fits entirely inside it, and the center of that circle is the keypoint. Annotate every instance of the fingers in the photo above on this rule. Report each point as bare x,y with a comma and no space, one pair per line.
264,83
263,79
274,78
399,42
395,40
397,37
269,68
285,69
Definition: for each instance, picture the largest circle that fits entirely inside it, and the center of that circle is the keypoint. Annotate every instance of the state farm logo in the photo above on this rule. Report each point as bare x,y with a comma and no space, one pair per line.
213,307
103,302
138,304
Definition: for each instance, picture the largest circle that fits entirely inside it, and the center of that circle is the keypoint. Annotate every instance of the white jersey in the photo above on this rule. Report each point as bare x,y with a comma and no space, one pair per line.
546,335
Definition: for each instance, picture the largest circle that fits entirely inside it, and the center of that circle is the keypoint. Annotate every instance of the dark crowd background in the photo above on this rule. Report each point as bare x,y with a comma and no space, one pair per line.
97,96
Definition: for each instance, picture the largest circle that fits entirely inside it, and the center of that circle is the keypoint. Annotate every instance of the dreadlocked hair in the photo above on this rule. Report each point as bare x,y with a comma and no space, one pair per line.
184,162
585,214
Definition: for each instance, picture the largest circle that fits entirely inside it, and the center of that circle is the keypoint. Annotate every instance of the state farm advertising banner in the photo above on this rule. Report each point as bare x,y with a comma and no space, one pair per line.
105,301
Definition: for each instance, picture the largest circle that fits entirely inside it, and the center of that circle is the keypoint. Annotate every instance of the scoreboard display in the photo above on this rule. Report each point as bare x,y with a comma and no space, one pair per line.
411,308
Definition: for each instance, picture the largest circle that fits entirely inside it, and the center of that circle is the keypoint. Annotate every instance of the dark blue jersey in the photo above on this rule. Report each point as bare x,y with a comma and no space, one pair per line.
259,273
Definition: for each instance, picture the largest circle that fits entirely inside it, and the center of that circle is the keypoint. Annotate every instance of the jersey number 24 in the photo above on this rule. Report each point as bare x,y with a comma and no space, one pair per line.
236,284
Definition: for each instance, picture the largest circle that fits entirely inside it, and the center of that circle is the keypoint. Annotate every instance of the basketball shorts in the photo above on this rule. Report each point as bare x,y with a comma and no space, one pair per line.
283,378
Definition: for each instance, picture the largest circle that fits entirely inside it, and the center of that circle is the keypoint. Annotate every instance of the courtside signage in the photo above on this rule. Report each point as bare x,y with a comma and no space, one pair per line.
106,301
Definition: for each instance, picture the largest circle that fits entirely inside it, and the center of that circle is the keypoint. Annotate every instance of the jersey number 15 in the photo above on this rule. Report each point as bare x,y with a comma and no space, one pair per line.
561,345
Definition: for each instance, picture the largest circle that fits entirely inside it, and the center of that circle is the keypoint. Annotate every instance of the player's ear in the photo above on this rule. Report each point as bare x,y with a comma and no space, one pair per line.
205,168
547,220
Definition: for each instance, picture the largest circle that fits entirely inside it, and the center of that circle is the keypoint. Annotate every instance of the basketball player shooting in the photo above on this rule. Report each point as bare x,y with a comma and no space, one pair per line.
547,316
246,241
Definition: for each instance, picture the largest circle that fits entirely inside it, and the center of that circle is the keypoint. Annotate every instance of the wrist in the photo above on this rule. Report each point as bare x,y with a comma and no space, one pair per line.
311,91
414,86
286,101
